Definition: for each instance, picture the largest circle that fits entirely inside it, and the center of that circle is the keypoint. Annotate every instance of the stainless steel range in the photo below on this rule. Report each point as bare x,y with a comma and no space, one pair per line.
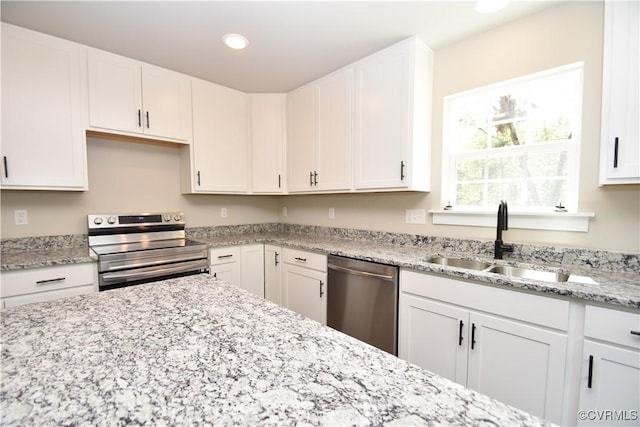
141,248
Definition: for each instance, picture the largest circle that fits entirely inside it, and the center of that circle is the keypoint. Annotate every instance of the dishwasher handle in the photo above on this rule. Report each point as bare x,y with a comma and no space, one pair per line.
385,277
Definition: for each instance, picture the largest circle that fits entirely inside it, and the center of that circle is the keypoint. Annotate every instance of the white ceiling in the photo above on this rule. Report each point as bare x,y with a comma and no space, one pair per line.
291,42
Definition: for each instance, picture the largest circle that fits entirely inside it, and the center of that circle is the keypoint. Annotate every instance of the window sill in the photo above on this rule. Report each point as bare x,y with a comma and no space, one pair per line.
557,221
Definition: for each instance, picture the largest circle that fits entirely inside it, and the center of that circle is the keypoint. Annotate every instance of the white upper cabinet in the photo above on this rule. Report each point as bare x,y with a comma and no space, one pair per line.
321,134
129,97
43,140
301,138
220,147
620,144
393,118
268,142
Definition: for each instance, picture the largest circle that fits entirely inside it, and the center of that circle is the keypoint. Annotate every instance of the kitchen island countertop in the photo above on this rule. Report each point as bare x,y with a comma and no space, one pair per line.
196,350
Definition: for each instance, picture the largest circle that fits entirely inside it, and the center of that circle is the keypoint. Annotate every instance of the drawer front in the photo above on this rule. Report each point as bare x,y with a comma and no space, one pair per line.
47,295
540,310
225,255
46,279
305,259
614,326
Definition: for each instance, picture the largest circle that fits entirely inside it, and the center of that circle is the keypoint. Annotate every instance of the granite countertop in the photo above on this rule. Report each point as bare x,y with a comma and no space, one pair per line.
588,282
196,350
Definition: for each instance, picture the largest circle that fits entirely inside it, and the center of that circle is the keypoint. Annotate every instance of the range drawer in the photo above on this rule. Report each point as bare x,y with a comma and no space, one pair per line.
305,259
224,255
614,326
46,279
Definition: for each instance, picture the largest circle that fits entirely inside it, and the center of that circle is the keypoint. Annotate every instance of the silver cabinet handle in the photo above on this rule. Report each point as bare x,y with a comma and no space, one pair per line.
47,281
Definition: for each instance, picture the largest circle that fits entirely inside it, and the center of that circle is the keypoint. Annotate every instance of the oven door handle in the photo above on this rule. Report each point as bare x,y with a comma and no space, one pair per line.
109,265
143,273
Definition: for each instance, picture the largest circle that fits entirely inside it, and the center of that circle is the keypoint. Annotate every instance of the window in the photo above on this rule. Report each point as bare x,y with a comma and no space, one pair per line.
517,141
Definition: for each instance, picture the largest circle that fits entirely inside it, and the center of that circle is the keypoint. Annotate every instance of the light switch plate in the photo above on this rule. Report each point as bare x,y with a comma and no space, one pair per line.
332,213
223,212
20,216
416,216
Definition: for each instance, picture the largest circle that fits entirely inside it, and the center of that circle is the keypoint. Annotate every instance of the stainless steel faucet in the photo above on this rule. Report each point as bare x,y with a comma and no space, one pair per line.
503,224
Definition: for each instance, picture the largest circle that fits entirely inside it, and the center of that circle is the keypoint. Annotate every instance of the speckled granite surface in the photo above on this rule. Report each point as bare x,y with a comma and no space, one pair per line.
615,276
196,351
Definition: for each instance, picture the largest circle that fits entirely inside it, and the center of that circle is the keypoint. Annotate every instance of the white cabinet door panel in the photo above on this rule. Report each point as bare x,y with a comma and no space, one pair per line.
520,365
613,394
115,92
434,337
43,140
305,292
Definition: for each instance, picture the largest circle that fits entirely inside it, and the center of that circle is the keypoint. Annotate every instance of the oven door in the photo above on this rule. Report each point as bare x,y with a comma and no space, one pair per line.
135,276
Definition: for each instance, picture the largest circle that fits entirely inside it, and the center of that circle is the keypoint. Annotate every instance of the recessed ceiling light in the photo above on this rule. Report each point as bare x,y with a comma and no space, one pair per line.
235,41
490,6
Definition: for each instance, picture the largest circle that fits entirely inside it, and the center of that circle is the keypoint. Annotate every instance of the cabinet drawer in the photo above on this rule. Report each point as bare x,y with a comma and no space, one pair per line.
47,295
305,259
46,279
540,310
613,326
225,255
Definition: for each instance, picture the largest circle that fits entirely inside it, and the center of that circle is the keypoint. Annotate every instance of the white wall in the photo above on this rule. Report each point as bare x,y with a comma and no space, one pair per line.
127,177
561,35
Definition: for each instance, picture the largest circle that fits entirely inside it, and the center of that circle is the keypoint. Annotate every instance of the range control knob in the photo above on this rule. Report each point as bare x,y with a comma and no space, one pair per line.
97,221
111,220
167,218
177,217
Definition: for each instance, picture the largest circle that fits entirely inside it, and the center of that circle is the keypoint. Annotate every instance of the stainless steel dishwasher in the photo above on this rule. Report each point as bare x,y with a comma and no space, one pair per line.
362,301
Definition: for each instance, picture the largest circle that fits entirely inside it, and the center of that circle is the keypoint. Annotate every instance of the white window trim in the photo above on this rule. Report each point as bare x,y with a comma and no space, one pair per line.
556,221
570,220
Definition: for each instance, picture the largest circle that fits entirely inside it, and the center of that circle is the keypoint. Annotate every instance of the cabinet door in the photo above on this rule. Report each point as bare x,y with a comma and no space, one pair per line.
115,92
273,273
267,116
302,139
433,336
43,138
620,155
335,131
305,292
381,119
229,272
518,364
220,140
610,385
252,269
166,98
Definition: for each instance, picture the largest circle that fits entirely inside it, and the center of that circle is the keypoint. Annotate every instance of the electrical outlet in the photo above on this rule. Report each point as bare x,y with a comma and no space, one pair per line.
20,216
416,216
332,213
223,212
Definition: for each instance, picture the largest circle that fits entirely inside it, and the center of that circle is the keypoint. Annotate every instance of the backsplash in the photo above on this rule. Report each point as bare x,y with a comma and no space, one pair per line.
554,256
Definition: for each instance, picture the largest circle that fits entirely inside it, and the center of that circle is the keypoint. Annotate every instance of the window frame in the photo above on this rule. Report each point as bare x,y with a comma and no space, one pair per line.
449,178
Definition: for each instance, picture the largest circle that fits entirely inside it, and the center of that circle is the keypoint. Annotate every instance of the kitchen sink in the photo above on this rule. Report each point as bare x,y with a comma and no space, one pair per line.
461,263
526,273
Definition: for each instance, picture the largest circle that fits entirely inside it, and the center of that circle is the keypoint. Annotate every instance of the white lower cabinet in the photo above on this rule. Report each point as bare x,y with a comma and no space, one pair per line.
610,380
304,283
516,354
242,266
273,273
48,283
252,269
